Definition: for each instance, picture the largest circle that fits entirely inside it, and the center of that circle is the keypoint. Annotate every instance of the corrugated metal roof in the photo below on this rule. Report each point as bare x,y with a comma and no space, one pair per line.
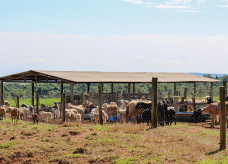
105,77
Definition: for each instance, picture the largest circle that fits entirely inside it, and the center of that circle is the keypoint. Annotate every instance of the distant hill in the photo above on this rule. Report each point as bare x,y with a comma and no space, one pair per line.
212,74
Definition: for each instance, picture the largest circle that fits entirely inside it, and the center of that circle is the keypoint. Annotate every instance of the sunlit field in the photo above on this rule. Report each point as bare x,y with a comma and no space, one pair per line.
25,142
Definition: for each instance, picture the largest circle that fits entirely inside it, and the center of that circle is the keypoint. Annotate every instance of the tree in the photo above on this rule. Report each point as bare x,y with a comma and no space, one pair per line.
224,78
208,76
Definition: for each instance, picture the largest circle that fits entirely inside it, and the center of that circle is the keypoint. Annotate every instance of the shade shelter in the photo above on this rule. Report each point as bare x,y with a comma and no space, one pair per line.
71,77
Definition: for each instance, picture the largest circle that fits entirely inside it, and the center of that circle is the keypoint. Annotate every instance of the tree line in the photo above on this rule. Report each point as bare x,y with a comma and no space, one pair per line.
50,90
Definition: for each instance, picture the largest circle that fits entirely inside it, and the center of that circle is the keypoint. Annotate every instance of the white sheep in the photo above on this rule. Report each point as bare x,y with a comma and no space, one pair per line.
46,116
78,118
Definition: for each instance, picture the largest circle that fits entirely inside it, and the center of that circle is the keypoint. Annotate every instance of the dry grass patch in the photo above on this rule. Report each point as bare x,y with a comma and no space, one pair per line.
109,143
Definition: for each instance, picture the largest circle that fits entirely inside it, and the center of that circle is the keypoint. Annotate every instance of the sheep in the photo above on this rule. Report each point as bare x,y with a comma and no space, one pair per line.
35,118
110,109
46,116
122,114
15,115
2,112
105,116
25,112
67,115
80,110
10,108
78,118
6,103
95,116
73,117
95,110
56,113
124,104
214,109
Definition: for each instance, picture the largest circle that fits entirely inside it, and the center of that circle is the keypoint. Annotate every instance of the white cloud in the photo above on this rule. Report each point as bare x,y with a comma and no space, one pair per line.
138,2
30,61
146,53
225,6
173,5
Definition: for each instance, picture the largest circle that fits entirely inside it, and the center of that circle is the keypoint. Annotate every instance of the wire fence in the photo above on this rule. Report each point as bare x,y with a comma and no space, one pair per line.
123,107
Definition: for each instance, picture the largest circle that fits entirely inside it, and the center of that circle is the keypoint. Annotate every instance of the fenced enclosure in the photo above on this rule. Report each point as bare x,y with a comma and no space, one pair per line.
134,103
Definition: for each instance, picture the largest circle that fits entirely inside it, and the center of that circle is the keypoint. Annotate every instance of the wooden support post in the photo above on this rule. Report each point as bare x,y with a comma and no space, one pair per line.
211,90
175,89
64,107
169,93
61,91
61,88
102,86
154,103
224,84
90,96
185,93
134,90
119,97
72,92
194,90
18,102
222,119
2,96
194,103
88,87
33,92
112,90
82,97
100,104
37,103
129,91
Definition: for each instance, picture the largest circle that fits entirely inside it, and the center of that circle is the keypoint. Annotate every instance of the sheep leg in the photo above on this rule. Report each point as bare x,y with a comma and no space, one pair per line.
212,121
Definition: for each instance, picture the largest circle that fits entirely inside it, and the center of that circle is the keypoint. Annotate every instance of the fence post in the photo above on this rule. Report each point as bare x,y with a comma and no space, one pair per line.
82,97
37,103
185,93
33,94
224,84
129,91
154,103
2,96
63,106
175,89
119,97
211,89
18,105
222,119
90,96
169,94
195,91
100,103
194,103
2,99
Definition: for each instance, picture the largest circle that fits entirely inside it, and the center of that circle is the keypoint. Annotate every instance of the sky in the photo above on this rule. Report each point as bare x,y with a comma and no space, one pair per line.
114,35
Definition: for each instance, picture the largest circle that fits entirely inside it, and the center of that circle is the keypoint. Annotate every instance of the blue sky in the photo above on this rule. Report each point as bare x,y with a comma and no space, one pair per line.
127,35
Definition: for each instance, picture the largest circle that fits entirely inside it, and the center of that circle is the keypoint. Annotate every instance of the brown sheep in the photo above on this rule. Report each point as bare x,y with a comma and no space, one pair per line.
2,112
214,109
110,109
15,115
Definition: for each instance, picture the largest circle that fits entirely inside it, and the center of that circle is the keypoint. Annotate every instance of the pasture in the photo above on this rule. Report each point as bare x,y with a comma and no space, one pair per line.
47,101
25,142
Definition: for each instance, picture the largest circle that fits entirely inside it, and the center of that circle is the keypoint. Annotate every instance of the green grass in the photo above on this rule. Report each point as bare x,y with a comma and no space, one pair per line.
47,102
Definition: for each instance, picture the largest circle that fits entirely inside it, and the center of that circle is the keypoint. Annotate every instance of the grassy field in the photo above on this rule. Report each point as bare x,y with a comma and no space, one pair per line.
25,142
47,102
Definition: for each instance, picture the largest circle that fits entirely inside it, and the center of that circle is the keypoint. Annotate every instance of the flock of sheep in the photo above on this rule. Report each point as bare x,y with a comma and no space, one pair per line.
135,110
73,113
